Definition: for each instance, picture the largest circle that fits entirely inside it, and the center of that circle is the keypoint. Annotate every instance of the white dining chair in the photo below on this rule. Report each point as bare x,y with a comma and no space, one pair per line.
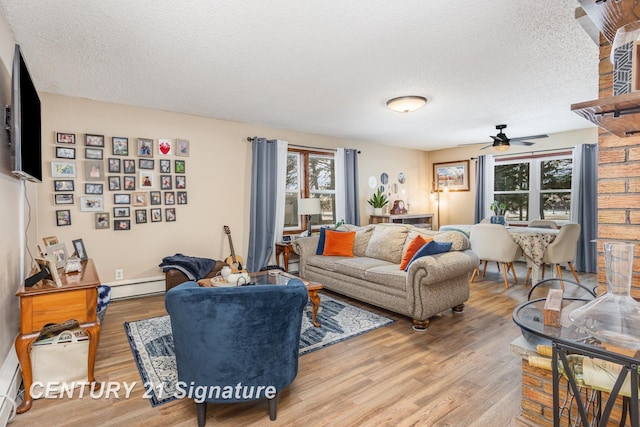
561,250
492,242
544,223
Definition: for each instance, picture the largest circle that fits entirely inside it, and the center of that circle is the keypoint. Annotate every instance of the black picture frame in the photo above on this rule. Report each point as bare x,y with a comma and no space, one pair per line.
180,166
129,165
121,224
122,199
129,183
92,140
63,185
141,216
114,165
181,197
119,146
166,182
156,215
64,199
93,153
169,214
155,198
92,188
146,164
121,212
63,217
65,153
81,252
169,198
114,183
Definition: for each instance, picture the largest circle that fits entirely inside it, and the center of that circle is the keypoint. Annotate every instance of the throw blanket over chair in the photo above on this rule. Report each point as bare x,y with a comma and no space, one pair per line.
246,335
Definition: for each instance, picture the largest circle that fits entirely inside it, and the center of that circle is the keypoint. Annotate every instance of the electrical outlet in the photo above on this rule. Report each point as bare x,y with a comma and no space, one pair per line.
119,274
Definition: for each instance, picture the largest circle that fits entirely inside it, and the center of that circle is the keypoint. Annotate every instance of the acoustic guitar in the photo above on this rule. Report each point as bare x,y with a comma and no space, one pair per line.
234,261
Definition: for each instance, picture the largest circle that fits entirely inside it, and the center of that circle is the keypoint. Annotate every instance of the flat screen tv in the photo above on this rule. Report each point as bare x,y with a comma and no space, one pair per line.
25,122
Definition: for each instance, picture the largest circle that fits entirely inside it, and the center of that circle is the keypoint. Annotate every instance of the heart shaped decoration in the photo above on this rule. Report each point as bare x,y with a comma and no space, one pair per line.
164,146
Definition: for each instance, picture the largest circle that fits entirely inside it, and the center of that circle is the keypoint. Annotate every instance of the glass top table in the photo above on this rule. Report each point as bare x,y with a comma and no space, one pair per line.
568,339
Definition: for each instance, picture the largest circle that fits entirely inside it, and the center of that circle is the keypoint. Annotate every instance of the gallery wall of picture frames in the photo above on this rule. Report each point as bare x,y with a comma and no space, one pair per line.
113,175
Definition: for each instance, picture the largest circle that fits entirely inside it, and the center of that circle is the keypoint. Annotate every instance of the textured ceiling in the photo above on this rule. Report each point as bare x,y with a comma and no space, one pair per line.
323,67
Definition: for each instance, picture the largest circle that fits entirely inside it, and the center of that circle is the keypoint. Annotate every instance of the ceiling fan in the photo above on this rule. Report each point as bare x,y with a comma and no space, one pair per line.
501,142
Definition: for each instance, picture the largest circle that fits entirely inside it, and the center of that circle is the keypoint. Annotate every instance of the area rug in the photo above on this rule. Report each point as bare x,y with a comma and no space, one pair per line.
152,343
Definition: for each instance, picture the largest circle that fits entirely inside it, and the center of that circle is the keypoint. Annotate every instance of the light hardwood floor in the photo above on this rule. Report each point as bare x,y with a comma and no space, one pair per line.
459,372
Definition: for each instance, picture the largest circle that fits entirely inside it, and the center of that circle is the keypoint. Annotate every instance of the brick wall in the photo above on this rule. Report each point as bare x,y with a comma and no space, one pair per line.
537,398
618,183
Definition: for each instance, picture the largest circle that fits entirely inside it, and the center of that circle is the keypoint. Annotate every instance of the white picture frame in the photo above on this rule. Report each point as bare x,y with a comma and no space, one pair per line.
63,169
91,203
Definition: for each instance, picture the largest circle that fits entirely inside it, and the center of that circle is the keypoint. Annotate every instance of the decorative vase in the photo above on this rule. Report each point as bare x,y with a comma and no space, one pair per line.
377,211
613,317
498,219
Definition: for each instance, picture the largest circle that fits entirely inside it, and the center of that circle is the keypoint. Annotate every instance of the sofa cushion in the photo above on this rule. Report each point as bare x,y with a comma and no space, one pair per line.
363,234
459,241
430,248
338,243
411,248
328,263
387,275
387,243
358,266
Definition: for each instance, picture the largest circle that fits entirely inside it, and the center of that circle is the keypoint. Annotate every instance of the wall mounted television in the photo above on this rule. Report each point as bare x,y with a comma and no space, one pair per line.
25,123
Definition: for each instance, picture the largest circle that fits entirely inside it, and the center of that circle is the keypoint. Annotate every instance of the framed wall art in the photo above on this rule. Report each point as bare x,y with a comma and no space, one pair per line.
63,217
453,176
170,214
91,203
120,146
141,216
114,165
63,169
140,198
121,212
93,140
129,183
94,170
180,166
182,147
93,153
122,224
63,185
156,215
114,183
182,197
181,182
155,198
129,166
65,153
93,188
65,138
146,180
145,163
63,199
102,221
145,147
165,147
122,199
165,166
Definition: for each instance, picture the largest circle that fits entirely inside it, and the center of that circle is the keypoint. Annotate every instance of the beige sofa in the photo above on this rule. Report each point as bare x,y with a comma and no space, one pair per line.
431,285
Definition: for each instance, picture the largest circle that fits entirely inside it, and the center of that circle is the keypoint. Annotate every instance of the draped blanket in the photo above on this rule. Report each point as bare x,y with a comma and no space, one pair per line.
194,268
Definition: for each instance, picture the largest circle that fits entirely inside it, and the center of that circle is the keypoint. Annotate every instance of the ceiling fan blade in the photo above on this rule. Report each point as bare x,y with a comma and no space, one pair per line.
472,143
529,137
488,146
527,143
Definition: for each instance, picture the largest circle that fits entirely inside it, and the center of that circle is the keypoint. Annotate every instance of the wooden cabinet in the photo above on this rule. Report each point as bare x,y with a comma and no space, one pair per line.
39,305
417,220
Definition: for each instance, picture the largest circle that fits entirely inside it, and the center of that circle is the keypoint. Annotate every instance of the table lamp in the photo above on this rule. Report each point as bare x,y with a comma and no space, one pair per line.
308,207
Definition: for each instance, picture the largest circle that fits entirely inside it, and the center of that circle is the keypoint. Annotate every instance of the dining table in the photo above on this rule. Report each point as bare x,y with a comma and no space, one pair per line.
532,240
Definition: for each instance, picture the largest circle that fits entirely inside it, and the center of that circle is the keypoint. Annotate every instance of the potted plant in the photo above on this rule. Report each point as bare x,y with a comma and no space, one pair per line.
378,201
499,210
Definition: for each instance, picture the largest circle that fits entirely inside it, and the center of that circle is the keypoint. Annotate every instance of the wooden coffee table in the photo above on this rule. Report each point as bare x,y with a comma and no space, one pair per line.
277,277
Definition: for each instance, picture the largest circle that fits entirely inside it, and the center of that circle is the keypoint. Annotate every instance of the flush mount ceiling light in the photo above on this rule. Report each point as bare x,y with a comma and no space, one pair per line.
406,104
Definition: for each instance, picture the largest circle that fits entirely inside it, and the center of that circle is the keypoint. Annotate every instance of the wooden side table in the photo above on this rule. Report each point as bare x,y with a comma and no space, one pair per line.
286,249
42,304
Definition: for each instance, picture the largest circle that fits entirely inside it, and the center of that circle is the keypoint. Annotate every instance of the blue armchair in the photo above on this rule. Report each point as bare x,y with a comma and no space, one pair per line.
236,344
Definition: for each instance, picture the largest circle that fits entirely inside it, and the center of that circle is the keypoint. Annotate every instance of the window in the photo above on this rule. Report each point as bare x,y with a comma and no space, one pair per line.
534,187
309,174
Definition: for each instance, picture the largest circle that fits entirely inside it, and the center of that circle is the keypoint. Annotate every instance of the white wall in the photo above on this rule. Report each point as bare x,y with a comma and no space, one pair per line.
218,182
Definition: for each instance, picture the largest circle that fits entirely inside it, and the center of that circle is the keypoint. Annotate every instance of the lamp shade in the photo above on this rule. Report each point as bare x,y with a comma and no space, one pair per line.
406,104
308,206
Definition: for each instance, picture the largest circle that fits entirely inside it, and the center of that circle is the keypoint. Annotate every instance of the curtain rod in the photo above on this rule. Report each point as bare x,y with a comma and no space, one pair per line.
250,139
524,153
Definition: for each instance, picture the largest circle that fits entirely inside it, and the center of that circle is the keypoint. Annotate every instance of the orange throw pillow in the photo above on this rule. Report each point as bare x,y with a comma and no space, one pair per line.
413,247
339,243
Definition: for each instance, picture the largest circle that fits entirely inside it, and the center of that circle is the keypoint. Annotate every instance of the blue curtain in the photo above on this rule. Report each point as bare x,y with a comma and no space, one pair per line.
480,208
263,204
352,200
586,208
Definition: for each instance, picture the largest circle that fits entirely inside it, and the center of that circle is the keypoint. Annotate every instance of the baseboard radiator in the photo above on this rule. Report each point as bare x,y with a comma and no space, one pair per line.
10,380
136,287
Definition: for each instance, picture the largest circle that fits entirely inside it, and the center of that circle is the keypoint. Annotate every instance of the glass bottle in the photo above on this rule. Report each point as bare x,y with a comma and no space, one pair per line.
613,317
